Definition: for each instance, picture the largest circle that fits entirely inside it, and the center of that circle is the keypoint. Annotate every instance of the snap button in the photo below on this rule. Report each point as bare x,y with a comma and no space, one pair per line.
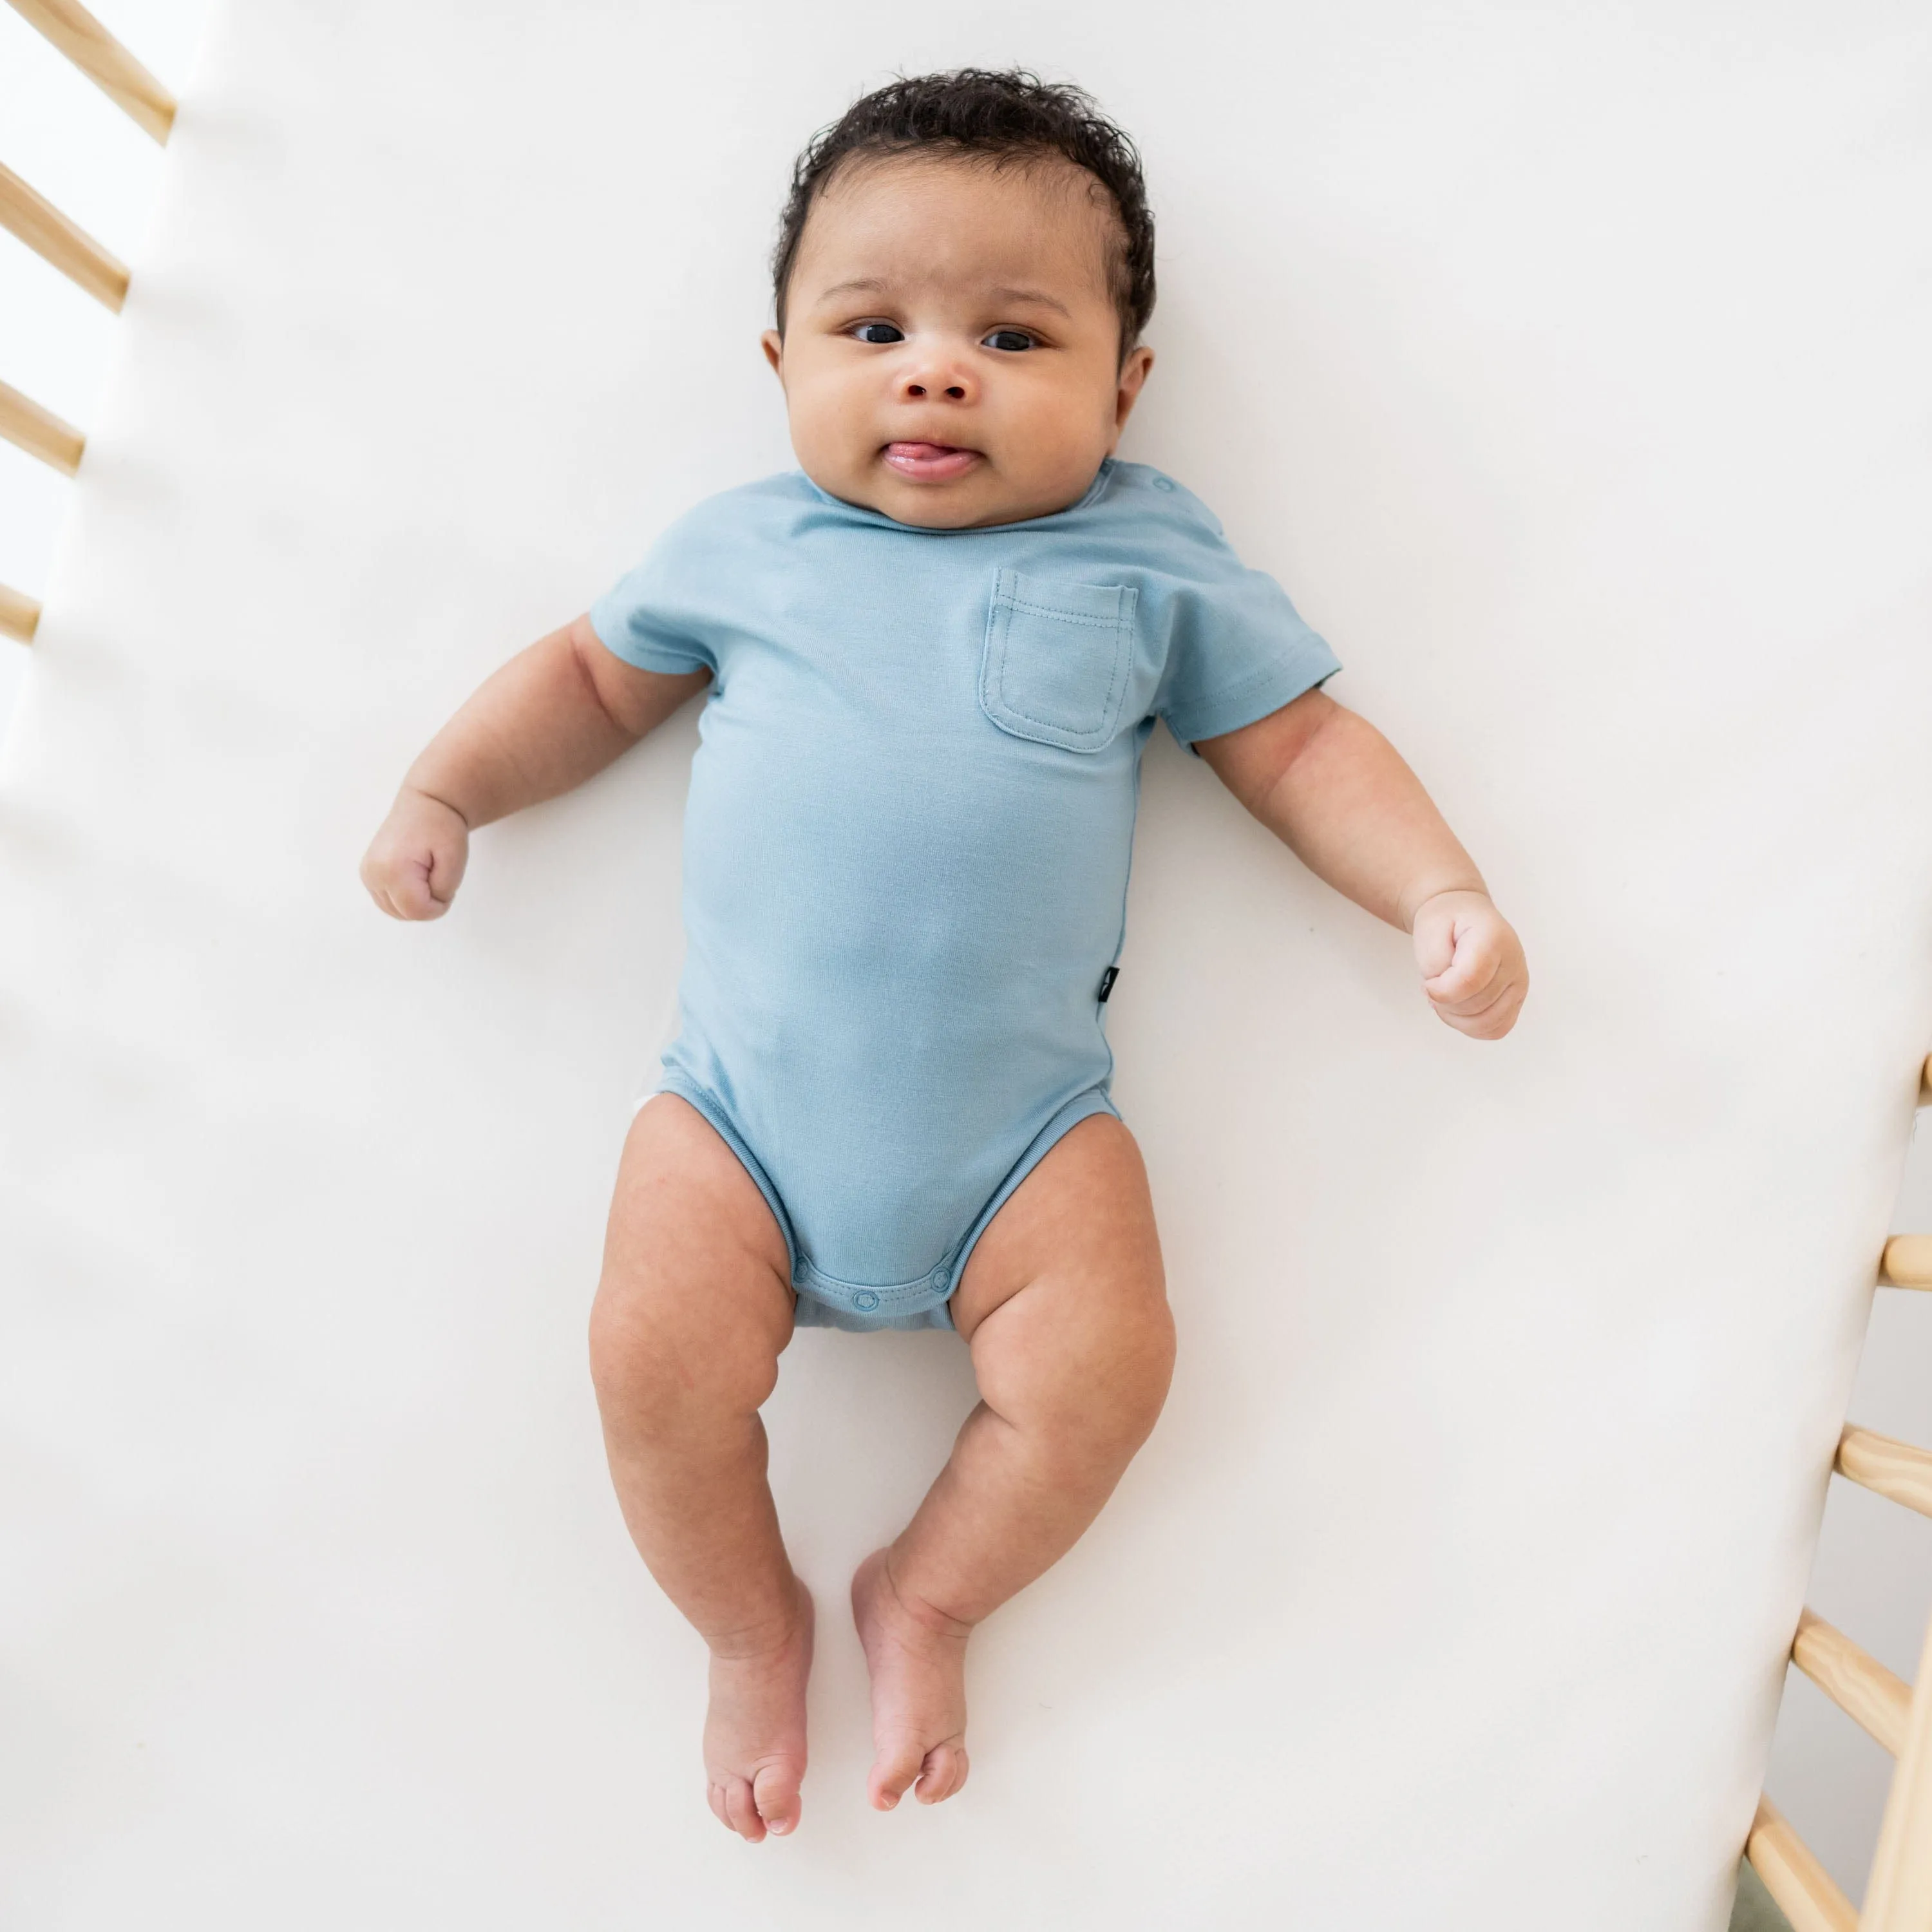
1162,483
865,1301
938,1277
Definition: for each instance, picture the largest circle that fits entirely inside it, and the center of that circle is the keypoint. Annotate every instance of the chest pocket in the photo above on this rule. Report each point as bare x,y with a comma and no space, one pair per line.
1058,660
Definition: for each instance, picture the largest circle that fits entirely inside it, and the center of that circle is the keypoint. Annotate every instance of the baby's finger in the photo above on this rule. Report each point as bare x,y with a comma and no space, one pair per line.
1435,944
445,873
410,891
375,882
1470,974
1494,1017
1465,991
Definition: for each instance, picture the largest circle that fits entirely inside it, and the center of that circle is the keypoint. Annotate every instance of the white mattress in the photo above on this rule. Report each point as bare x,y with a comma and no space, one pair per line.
1568,368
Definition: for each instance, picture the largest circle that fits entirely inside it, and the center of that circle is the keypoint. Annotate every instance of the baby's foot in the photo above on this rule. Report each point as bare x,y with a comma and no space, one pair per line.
755,1732
917,1659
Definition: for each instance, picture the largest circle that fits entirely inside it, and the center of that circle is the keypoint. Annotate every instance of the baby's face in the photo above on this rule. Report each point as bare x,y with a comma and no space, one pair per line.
951,355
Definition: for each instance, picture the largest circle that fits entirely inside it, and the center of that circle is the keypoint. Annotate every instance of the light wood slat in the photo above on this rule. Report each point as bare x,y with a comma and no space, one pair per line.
1854,1680
38,431
51,235
1801,1886
1898,1894
19,615
1907,1261
104,61
1896,1470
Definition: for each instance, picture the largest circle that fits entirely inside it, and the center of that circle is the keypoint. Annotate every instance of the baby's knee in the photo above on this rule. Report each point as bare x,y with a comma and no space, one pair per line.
1094,1407
660,1364
1142,1369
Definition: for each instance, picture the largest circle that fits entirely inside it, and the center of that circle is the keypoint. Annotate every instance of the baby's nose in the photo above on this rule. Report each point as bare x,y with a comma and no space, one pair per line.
945,384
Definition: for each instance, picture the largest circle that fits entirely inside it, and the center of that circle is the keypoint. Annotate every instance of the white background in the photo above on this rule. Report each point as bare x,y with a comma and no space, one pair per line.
1561,366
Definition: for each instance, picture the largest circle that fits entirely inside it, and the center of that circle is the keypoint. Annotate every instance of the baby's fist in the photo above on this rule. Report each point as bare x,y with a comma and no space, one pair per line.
414,863
1472,965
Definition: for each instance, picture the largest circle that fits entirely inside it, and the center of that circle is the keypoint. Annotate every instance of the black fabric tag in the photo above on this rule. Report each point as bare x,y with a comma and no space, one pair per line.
1107,979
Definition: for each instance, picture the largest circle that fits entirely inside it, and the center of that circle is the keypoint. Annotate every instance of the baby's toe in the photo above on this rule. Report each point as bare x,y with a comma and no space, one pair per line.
775,1793
741,1809
942,1773
893,1771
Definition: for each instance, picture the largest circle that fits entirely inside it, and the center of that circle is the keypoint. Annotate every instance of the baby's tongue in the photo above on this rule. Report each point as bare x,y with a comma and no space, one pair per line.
930,460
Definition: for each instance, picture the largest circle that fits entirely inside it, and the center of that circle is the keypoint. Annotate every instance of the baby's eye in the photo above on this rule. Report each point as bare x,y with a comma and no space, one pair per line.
879,331
1008,339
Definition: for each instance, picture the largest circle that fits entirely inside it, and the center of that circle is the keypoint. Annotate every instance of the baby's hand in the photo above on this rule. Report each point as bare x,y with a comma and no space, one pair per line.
1473,969
414,863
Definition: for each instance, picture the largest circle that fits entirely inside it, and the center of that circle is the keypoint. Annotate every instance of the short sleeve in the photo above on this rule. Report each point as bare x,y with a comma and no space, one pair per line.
1237,650
655,616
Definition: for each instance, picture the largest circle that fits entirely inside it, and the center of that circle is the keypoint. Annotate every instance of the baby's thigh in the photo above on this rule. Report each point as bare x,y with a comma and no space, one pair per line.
694,1290
1064,1299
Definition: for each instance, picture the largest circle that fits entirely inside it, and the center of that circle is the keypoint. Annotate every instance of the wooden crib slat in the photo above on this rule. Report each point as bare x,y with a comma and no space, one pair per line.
104,61
38,431
53,237
1897,1470
1854,1680
1801,1886
19,615
1907,1261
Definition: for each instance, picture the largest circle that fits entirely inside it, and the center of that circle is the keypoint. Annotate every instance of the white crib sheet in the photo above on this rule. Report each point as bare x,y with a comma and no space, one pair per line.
1567,365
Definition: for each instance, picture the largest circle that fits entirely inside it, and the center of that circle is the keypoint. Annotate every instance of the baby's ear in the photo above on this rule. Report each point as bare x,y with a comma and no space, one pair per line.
773,345
1133,375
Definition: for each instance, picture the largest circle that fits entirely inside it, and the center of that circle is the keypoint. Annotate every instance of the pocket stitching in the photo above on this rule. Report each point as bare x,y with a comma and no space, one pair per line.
1121,624
1065,616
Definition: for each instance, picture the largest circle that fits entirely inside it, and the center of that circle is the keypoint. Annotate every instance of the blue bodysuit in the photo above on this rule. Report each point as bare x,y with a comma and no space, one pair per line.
907,842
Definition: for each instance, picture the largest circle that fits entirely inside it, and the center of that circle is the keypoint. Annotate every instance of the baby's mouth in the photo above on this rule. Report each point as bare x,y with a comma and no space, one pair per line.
930,462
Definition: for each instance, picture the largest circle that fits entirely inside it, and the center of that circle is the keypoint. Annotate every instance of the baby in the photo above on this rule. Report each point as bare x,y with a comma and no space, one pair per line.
934,654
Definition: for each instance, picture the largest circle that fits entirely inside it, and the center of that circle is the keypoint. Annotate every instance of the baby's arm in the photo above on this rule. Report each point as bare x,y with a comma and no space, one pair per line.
1329,785
552,717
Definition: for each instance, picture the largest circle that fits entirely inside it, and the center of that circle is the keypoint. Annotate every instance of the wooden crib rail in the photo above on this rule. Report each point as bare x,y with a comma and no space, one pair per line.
19,617
1907,1261
42,433
1798,1884
67,247
38,431
104,61
1898,1894
1900,1472
1854,1680
55,239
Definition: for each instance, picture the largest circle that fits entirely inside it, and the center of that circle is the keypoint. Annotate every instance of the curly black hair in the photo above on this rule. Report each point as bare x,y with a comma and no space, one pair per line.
1003,115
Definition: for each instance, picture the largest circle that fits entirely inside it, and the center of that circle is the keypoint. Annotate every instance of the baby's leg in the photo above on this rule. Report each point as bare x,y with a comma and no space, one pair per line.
1064,1304
690,1315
